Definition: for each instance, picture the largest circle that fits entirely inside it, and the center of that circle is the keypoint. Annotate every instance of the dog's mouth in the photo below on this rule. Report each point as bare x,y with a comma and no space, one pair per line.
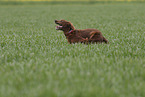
58,27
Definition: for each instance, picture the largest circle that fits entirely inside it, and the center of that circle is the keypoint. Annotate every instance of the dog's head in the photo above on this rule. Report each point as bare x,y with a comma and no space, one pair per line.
64,25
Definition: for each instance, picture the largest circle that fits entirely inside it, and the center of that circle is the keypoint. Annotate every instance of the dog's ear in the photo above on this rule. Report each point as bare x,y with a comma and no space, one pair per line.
70,25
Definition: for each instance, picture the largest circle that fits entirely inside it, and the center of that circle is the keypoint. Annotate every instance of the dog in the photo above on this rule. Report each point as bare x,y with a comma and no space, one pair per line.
80,36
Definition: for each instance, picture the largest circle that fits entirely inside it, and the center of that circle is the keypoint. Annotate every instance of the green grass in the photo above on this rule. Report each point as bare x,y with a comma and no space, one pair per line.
37,61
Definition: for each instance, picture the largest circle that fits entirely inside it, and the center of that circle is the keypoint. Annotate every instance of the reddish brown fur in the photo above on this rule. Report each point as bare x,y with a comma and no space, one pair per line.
83,36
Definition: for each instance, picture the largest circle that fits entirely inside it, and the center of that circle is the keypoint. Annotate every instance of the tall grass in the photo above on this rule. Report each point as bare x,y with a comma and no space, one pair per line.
36,60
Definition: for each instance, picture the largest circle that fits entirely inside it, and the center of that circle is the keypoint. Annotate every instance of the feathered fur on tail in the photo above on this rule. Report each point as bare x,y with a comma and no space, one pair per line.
105,40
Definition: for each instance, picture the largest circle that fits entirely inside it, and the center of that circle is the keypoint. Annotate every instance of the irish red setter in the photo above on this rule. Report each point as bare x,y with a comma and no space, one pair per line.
83,36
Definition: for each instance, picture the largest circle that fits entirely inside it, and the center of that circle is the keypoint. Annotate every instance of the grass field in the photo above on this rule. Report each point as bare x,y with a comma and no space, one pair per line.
37,61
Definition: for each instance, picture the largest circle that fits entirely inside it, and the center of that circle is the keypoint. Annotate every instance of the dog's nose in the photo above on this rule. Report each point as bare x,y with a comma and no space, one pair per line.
55,21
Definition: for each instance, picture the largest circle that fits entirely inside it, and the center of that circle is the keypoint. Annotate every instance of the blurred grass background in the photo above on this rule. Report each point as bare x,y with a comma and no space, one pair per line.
67,1
72,0
22,2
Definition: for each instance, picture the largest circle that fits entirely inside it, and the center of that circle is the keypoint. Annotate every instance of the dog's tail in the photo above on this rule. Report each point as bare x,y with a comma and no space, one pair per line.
105,40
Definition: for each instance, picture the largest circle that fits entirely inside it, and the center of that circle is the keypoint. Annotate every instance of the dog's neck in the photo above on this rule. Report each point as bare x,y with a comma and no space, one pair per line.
66,31
70,31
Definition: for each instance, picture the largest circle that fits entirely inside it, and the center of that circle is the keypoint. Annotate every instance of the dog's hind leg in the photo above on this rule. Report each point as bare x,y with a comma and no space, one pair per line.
92,34
95,37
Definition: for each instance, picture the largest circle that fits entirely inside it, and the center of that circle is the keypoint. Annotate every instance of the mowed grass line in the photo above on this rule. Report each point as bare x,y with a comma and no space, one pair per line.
37,61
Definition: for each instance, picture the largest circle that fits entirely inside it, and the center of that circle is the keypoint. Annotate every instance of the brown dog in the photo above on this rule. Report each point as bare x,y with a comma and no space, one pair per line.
83,36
